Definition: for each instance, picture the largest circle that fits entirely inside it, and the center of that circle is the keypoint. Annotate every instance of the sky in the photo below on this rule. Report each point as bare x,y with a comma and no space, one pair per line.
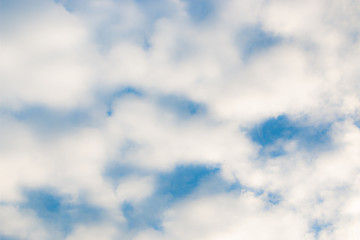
179,119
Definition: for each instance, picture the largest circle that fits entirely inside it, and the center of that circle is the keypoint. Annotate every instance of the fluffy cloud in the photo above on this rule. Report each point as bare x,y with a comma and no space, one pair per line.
179,120
230,217
22,225
47,57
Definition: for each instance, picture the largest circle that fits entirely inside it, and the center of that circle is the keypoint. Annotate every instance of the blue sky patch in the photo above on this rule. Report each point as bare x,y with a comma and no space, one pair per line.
268,133
236,186
5,237
7,4
156,9
129,213
357,123
182,106
59,213
69,6
183,180
145,215
171,187
253,40
274,198
273,129
318,226
121,92
200,9
114,171
146,43
51,120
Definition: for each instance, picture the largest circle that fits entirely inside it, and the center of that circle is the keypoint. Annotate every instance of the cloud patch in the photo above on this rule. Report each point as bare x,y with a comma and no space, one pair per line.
177,119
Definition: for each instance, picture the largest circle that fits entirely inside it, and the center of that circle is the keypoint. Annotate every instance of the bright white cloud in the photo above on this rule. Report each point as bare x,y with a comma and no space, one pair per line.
230,217
93,232
47,58
99,99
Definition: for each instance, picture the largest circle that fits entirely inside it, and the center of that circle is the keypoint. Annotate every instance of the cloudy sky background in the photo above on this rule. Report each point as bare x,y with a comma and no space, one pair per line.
179,119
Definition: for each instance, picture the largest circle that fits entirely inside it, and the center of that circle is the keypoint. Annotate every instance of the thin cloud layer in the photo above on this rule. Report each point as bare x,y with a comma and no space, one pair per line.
179,119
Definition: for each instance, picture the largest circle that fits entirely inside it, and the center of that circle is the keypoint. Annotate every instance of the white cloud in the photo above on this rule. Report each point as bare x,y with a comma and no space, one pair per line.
135,189
230,217
67,55
163,142
20,224
47,58
93,232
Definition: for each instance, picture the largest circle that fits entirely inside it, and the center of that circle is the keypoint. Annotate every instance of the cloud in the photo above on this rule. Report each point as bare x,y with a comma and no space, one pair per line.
177,119
20,224
47,57
93,232
229,217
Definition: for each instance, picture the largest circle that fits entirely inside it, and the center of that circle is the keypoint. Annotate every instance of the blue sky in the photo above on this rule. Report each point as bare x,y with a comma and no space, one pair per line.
179,119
